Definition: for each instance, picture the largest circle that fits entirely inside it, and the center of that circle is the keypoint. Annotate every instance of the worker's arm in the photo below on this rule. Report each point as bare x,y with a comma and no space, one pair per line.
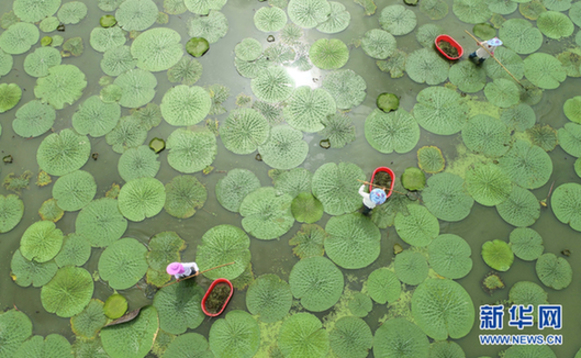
362,191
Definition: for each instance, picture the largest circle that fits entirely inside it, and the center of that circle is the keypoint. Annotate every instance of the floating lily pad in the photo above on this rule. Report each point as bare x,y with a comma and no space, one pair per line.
284,149
572,109
137,15
309,241
266,214
521,36
244,130
528,166
237,332
383,286
427,33
269,297
183,105
95,117
307,108
346,87
411,267
191,151
138,87
16,329
353,241
223,244
338,20
544,70
335,185
90,321
117,60
63,85
521,208
37,63
378,44
413,179
565,203
76,251
520,117
270,19
509,59
434,9
329,54
187,71
41,241
140,162
133,339
555,25
115,306
526,243
497,254
431,160
397,20
272,85
544,136
486,135
10,95
211,28
308,13
418,228
400,338
328,288
449,256
54,344
108,40
440,110
101,223
488,184
25,272
472,11
302,335
50,211
123,263
19,37
68,292
425,65
184,195
553,271
306,208
141,198
468,76
179,307
502,93
11,211
446,197
351,337
157,49
231,190
570,139
443,308
394,131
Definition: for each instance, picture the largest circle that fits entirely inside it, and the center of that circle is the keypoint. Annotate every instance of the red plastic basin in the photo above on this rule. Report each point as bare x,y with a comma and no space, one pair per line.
452,42
217,281
390,173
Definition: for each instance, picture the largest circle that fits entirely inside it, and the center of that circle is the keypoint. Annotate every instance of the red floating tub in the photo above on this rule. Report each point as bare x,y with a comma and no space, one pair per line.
452,42
390,173
210,289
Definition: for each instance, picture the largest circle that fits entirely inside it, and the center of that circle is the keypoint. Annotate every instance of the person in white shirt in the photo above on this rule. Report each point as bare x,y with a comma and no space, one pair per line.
371,200
481,54
180,270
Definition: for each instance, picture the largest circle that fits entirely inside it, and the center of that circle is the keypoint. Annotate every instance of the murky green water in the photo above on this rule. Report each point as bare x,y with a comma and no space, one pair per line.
276,256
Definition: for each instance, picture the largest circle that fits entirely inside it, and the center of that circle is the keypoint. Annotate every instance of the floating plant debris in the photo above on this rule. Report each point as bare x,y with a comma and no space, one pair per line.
217,298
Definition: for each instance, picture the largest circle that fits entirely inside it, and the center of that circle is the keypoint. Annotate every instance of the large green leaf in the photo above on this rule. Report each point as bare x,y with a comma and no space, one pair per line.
11,211
521,208
54,345
497,254
488,184
317,282
64,152
41,241
394,131
440,110
400,338
68,292
383,286
183,196
26,272
351,338
486,135
15,329
446,197
220,245
302,335
284,148
418,227
132,339
526,243
449,256
269,297
410,267
553,271
237,335
266,214
336,186
141,198
123,263
100,222
179,306
233,188
566,204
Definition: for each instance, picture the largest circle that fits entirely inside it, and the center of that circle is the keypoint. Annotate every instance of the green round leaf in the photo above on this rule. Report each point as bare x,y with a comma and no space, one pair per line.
520,117
555,25
329,54
232,189
553,271
63,85
472,11
284,149
383,286
468,76
307,108
346,87
317,282
497,254
123,263
338,19
378,44
293,182
411,267
306,208
521,208
486,135
76,251
502,93
521,36
183,105
425,65
190,345
68,293
531,351
133,339
16,328
100,222
95,117
19,37
510,59
117,60
397,20
399,338
37,63
72,12
308,13
431,160
449,256
266,215
244,130
309,241
269,297
302,335
157,49
336,186
191,151
488,184
565,203
237,332
527,293
570,139
434,9
138,87
41,241
141,198
353,242
109,40
140,162
210,28
184,195
544,70
179,307
446,197
54,345
223,244
351,338
272,85
136,15
418,227
394,131
440,110
25,272
11,211
249,49
115,306
62,153
269,19
90,321
526,243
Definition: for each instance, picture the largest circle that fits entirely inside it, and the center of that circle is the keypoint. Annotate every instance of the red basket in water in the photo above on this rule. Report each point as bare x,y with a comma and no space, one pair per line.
220,280
390,173
452,42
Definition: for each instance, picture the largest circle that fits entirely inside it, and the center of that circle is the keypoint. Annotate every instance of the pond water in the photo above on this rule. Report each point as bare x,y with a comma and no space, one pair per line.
276,256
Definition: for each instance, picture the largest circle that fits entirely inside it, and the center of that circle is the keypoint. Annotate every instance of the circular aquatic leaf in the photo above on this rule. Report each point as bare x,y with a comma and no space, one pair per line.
293,182
497,254
138,87
123,263
426,34
528,166
339,130
62,153
136,15
338,19
16,328
6,63
164,249
50,211
449,256
54,345
269,19
110,94
413,179
140,162
309,241
211,27
317,282
157,49
418,227
434,9
190,345
378,44
526,243
237,332
19,38
544,70
76,251
472,11
399,338
184,195
269,297
68,293
109,40
95,117
220,245
130,132
308,13
284,149
351,338
383,286
527,293
141,198
197,46
570,139
521,208
520,117
397,20
336,186
306,208
555,25
63,85
72,12
502,93
117,60
203,7
302,335
37,63
553,271
90,321
10,95
353,242
468,76
244,130
179,307
34,11
529,351
191,151
565,203
484,30
544,136
187,71
488,184
232,189
41,241
272,85
360,304
11,211
425,65
446,198
510,59
411,267
307,108
266,214
26,272
575,13
329,54
346,87
572,109
133,339
431,160
248,49
75,190
443,308
446,349
440,110
115,306
100,222
394,131
521,36
486,135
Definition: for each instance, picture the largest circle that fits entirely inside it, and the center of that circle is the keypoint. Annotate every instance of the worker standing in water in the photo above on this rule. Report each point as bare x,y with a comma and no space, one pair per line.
371,200
481,54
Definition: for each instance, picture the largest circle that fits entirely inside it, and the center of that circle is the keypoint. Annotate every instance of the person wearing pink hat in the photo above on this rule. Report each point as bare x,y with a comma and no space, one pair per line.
481,54
180,270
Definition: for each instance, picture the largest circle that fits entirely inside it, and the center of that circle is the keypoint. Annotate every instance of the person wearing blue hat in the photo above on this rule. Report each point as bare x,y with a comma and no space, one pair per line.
371,200
481,54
